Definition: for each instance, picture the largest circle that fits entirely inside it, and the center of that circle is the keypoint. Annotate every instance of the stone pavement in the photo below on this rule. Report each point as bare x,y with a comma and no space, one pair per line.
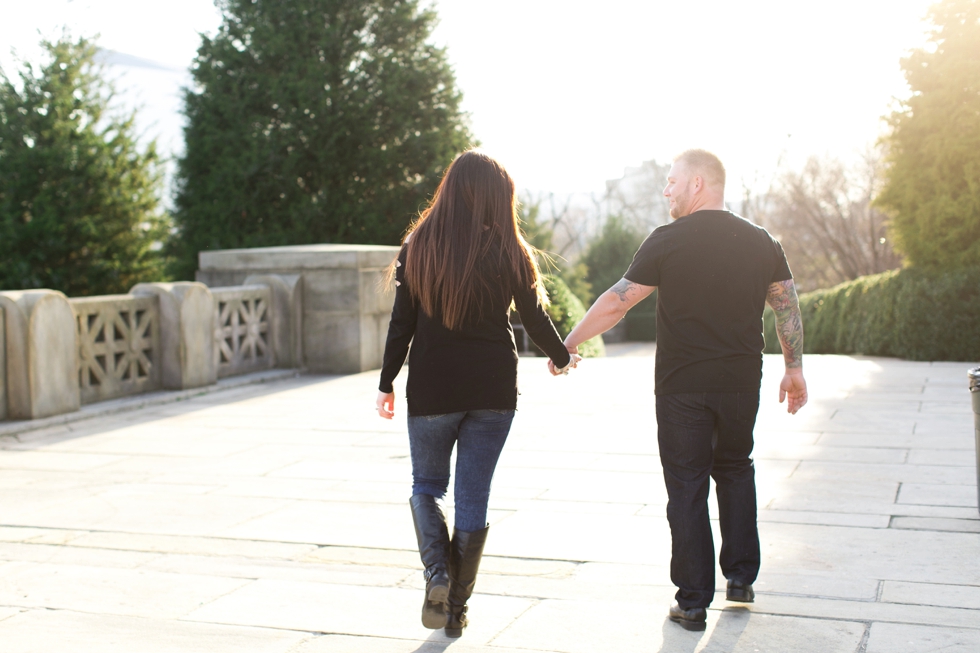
274,518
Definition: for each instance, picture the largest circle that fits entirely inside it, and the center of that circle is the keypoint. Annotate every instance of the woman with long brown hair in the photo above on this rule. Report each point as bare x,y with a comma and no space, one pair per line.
462,266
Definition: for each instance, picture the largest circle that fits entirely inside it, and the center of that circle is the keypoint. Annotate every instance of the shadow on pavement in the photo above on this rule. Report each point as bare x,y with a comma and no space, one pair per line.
128,418
437,643
724,635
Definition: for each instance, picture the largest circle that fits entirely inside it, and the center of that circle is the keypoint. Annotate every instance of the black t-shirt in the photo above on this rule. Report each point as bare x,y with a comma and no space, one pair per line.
713,270
474,367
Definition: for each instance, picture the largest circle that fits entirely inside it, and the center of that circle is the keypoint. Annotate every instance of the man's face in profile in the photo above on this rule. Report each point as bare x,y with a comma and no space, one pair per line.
678,190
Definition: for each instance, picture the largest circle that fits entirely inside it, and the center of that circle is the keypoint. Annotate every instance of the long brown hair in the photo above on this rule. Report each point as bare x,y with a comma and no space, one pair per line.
473,214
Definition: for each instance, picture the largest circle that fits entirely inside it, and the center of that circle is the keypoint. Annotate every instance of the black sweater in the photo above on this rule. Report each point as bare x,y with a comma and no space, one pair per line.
469,369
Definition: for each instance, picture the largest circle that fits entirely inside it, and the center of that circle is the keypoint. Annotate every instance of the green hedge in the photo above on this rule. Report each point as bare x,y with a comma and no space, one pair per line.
566,310
909,314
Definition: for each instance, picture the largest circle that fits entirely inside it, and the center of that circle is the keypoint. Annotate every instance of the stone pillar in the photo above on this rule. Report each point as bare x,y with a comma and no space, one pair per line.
41,354
345,311
3,366
376,302
186,333
286,316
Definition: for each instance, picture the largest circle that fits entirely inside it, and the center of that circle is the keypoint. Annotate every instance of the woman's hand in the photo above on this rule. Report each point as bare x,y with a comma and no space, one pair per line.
386,404
573,363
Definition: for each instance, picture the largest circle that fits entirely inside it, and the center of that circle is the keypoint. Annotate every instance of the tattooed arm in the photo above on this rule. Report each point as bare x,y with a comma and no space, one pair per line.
789,327
607,311
789,322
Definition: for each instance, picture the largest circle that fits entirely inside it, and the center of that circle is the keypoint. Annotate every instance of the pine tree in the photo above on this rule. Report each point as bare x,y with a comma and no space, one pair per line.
314,121
609,255
933,180
79,206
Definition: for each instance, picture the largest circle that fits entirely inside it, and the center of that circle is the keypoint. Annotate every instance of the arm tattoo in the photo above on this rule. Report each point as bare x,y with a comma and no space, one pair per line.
622,289
789,322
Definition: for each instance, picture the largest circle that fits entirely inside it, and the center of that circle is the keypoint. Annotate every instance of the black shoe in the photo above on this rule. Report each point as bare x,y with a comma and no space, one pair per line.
433,538
464,563
693,619
739,591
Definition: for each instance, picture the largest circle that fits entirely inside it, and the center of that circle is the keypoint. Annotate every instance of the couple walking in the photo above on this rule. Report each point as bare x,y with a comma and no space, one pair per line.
464,265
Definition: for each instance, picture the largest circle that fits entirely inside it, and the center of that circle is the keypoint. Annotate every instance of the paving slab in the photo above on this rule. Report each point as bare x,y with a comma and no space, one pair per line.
350,644
107,590
51,553
635,628
952,596
899,473
273,517
915,638
211,546
938,495
351,610
44,631
968,525
824,518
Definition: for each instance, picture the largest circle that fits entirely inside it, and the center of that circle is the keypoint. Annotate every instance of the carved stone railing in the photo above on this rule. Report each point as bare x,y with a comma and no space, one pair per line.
312,307
118,346
242,329
342,311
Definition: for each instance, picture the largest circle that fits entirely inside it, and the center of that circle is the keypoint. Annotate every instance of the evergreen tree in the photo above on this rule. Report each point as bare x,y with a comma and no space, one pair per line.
933,182
610,254
314,121
79,205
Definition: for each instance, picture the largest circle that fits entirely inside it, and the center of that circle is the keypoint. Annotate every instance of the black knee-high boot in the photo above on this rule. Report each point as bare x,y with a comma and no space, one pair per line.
433,538
464,563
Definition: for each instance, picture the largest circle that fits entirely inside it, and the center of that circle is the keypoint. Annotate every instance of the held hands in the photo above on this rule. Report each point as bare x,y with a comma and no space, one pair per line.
793,386
386,404
555,371
573,363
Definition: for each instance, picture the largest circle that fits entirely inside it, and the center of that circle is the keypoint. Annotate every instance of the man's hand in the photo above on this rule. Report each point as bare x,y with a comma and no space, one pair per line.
386,404
793,386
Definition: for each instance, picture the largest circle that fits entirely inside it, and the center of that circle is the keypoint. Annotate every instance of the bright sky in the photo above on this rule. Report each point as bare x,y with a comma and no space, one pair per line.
567,93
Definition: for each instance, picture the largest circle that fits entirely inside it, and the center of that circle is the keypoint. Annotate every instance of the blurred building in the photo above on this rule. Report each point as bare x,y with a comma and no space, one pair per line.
638,197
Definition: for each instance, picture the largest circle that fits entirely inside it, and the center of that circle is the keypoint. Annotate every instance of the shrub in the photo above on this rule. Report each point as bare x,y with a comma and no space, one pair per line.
566,310
610,254
607,259
911,314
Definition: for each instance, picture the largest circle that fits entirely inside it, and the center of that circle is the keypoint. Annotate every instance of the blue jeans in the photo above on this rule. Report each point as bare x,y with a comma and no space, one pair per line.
702,435
479,437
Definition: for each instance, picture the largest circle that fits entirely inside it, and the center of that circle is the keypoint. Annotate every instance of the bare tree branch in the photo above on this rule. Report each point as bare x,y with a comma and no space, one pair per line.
825,221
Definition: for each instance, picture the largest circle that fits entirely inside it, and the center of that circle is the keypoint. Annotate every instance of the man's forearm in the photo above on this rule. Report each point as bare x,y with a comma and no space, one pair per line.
604,314
789,328
789,321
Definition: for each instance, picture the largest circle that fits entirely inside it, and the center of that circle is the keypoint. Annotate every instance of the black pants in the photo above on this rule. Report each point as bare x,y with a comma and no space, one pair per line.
702,435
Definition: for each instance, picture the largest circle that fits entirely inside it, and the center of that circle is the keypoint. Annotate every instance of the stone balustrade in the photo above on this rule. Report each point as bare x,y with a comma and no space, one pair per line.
342,308
242,330
320,308
118,346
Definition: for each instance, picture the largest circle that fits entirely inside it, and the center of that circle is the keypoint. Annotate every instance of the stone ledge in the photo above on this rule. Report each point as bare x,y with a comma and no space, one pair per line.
292,257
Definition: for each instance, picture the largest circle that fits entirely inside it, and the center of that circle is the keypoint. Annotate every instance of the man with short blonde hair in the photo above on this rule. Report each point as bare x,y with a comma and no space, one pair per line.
715,272
706,164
